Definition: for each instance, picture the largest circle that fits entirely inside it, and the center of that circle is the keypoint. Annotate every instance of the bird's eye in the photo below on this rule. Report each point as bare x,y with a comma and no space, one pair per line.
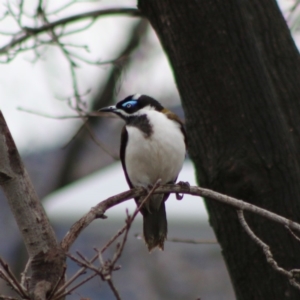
128,104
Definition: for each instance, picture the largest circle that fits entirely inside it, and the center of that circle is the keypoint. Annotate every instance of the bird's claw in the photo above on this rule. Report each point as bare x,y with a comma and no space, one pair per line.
183,184
179,196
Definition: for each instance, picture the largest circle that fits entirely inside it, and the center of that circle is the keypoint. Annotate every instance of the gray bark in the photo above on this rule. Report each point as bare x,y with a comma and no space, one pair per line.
47,259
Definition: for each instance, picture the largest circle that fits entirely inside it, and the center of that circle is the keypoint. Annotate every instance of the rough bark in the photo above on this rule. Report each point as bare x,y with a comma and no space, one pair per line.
47,258
237,70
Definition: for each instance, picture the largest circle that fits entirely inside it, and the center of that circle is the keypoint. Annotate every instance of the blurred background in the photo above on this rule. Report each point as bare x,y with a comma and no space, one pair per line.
96,64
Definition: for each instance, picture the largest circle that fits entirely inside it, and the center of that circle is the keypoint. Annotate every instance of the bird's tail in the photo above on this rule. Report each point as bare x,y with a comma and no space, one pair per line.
155,223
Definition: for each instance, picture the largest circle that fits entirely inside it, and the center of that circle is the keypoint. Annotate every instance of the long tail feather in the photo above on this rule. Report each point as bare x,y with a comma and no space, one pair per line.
155,227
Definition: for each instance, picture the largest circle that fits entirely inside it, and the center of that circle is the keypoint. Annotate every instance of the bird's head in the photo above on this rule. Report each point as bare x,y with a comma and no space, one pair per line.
133,106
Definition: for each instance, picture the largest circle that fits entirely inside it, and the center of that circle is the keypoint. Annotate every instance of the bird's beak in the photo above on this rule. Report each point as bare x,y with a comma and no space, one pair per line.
111,109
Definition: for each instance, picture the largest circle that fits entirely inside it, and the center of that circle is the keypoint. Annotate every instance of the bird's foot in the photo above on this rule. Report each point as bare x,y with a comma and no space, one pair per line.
185,185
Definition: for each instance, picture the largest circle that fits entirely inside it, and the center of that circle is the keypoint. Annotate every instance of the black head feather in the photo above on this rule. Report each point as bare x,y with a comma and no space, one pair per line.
133,103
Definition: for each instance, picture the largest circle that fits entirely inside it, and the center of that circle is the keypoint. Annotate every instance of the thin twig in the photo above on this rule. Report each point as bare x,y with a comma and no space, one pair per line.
292,10
9,282
18,288
83,262
2,297
84,117
31,32
59,296
113,288
111,153
70,281
96,212
63,7
184,241
292,233
192,241
23,274
131,219
108,266
52,117
267,251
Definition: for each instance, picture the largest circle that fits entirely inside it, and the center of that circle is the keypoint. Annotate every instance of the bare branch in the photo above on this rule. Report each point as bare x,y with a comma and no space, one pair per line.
80,272
59,296
292,233
98,142
24,273
29,32
99,210
2,297
8,281
113,288
108,266
13,280
95,212
267,251
49,116
192,241
86,115
129,221
83,117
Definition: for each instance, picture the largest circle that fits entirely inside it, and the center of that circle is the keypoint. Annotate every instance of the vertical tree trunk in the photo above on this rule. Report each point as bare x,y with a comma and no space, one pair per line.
47,260
237,70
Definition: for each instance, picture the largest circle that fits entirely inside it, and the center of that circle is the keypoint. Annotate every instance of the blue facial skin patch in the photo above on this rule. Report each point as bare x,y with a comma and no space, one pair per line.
132,102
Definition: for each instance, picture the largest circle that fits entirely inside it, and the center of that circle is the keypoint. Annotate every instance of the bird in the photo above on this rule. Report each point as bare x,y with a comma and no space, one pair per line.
153,148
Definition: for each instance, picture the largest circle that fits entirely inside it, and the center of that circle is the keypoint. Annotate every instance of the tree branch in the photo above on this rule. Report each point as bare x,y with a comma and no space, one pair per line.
108,266
99,210
192,241
267,251
10,278
185,241
29,32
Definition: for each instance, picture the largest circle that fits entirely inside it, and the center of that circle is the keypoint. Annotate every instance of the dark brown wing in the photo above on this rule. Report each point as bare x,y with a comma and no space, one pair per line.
175,118
124,140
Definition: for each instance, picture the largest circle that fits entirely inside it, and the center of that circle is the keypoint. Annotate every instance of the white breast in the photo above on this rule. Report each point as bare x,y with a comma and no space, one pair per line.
159,156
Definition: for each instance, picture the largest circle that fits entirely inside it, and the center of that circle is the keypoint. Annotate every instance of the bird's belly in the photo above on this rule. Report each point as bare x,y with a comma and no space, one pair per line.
151,158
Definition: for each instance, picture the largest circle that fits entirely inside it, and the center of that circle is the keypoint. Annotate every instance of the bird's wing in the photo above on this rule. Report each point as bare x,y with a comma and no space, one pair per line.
124,140
175,118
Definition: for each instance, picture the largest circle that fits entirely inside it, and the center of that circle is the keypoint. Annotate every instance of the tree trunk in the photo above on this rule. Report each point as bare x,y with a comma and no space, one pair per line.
237,71
47,260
